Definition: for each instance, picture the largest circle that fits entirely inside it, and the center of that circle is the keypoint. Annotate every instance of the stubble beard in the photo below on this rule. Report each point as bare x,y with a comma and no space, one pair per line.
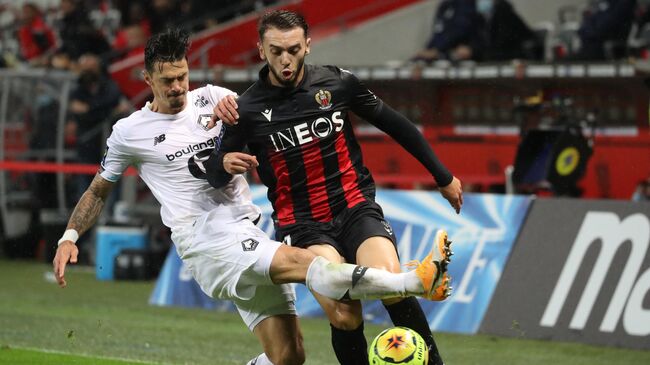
292,81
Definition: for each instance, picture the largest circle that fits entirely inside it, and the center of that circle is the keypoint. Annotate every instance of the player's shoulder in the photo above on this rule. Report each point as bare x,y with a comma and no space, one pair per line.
130,123
252,95
330,72
317,71
208,94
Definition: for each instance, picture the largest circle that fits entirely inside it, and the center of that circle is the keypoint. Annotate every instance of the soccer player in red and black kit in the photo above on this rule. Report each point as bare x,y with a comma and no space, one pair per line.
295,121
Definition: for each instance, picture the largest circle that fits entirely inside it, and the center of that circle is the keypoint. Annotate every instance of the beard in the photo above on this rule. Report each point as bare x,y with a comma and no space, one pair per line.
288,82
176,101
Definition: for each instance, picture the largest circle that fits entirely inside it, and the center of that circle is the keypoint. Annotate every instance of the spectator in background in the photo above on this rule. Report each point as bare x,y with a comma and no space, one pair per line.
605,29
457,33
162,14
35,37
642,192
134,31
61,60
94,105
507,36
77,32
129,41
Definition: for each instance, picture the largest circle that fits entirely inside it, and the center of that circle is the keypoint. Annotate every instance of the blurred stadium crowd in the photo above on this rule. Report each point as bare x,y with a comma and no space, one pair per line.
492,30
57,32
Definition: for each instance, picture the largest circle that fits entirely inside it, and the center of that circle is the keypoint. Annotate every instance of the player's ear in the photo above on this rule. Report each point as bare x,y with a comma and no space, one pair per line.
308,45
147,77
260,48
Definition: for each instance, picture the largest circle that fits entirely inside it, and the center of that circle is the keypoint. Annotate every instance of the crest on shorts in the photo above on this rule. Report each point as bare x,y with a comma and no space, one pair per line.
249,244
204,120
324,99
387,227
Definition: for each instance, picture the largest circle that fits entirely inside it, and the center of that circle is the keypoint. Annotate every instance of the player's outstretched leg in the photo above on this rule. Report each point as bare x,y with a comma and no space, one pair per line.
429,280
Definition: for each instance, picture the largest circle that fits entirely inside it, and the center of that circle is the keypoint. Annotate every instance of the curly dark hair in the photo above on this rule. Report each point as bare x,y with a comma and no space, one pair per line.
283,20
168,46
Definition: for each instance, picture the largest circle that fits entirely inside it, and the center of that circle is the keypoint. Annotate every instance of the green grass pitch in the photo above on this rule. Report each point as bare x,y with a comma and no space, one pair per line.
92,322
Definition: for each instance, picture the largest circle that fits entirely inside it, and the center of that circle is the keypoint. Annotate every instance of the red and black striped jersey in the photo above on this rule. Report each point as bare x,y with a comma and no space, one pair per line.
309,157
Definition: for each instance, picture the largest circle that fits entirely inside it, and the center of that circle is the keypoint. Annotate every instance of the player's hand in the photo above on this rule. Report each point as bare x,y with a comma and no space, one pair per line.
67,252
239,162
226,110
454,194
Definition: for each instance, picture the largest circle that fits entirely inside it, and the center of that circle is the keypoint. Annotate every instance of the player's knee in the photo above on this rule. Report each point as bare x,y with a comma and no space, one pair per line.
290,265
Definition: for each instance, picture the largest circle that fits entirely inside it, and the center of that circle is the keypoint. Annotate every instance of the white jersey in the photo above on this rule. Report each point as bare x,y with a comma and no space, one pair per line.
169,150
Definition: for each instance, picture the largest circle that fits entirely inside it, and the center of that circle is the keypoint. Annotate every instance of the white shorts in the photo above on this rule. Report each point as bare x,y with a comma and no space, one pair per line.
231,260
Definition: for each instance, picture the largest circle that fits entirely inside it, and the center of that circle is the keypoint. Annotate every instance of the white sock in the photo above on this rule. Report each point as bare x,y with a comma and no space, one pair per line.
261,359
346,281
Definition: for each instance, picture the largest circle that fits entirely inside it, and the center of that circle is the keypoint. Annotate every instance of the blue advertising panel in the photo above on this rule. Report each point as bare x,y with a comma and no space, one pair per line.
483,236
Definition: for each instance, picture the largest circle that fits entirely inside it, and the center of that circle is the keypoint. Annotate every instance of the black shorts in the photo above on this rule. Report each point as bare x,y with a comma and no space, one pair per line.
346,232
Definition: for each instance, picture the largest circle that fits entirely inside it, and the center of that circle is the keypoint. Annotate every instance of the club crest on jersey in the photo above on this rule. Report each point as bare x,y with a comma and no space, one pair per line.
249,244
324,99
204,120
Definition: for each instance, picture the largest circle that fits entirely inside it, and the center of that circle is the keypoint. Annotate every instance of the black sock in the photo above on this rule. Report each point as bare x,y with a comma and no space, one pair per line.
409,313
350,347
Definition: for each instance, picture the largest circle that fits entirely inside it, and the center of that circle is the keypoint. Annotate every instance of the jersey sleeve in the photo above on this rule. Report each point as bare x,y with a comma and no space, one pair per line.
369,107
116,158
234,140
363,102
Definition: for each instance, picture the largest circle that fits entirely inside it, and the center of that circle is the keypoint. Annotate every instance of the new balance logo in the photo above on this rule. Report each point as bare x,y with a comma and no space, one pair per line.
159,139
267,114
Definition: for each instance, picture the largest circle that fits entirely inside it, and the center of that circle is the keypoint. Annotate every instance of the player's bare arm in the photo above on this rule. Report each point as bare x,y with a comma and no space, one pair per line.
226,110
83,217
239,162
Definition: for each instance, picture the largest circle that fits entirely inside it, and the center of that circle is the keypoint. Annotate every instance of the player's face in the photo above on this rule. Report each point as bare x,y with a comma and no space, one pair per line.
284,51
169,83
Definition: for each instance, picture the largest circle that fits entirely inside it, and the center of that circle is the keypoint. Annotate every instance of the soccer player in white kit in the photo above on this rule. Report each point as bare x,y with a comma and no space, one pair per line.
169,141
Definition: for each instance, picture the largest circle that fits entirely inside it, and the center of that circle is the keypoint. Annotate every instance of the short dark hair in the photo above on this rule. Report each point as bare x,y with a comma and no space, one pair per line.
283,20
168,46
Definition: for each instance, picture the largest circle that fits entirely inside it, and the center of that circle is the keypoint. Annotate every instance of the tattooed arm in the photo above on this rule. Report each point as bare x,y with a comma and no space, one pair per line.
90,205
83,217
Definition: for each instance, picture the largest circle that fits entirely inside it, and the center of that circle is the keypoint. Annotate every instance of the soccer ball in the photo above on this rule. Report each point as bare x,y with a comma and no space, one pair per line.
398,345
